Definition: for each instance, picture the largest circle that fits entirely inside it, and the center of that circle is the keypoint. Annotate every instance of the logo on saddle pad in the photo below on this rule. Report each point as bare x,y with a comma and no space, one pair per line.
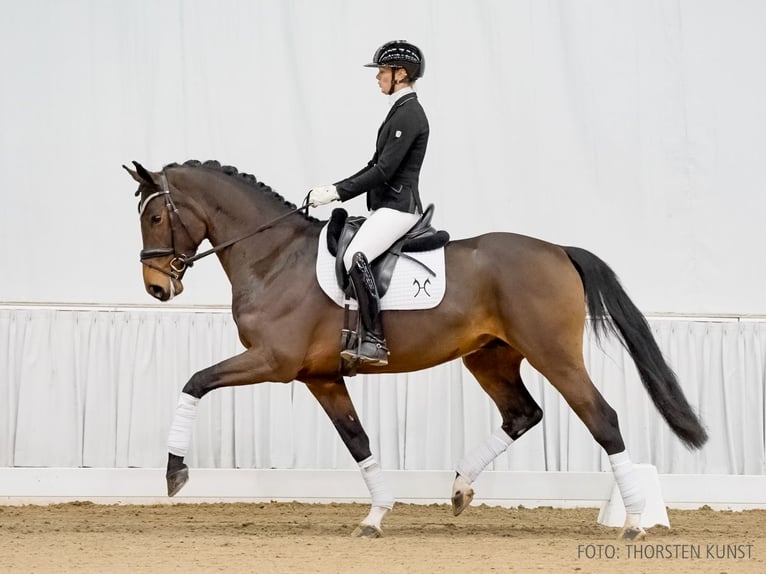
422,287
417,280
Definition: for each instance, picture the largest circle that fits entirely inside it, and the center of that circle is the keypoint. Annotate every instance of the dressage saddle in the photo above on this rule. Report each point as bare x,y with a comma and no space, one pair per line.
342,228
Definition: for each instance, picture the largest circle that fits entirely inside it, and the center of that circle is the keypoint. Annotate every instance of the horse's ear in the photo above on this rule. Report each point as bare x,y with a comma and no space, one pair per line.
141,175
132,173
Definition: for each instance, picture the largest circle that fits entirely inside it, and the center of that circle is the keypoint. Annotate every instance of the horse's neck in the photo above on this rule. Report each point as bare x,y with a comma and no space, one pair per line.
239,219
237,213
230,209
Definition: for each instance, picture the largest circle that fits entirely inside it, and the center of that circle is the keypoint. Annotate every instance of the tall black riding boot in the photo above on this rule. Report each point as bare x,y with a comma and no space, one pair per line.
372,348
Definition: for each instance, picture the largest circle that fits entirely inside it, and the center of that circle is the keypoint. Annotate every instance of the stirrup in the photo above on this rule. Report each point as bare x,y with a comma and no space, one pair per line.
349,343
371,351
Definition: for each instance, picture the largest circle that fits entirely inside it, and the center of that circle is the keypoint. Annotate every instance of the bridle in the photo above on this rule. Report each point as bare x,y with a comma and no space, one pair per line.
182,261
179,263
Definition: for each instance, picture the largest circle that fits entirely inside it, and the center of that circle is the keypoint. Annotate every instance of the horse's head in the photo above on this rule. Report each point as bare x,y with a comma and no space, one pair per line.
171,232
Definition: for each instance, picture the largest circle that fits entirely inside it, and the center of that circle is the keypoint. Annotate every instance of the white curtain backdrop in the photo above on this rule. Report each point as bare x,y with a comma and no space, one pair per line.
98,388
633,128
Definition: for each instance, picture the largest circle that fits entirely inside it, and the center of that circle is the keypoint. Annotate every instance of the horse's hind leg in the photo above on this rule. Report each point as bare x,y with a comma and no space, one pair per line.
336,402
497,369
573,382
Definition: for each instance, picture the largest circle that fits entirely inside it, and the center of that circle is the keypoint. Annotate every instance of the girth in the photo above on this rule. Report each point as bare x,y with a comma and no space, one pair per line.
342,228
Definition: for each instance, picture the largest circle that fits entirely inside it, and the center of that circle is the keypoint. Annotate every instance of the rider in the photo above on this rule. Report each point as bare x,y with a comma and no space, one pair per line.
390,180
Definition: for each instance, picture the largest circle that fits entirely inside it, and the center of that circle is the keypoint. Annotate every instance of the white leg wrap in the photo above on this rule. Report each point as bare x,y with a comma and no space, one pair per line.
628,483
373,478
471,465
375,517
180,433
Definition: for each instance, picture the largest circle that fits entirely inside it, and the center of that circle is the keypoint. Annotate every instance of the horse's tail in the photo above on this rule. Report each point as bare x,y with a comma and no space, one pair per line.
611,310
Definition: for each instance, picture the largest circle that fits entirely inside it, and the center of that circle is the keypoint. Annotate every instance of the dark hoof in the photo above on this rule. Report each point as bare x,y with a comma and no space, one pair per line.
367,531
632,533
461,500
177,479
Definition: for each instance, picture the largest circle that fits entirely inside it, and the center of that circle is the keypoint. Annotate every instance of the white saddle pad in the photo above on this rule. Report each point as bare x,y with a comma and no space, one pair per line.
412,286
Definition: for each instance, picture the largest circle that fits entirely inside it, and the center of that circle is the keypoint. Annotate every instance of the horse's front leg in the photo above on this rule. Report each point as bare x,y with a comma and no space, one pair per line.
335,400
252,366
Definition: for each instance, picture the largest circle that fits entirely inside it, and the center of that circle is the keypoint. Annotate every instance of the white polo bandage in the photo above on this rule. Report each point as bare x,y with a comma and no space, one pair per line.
373,478
628,483
180,433
471,465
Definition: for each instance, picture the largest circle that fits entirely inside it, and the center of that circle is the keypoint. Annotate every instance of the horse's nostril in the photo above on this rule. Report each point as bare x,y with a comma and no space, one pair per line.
157,292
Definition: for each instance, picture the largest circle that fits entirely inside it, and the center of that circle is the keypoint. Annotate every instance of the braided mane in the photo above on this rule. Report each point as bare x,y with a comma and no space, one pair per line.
247,178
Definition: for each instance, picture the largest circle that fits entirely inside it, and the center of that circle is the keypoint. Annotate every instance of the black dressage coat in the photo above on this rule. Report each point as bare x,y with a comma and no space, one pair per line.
391,177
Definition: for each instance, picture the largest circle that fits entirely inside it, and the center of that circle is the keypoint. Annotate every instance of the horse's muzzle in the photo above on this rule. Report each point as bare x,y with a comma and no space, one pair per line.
161,285
158,292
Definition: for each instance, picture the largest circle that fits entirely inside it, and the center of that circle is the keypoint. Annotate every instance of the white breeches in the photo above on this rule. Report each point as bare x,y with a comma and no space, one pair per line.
379,232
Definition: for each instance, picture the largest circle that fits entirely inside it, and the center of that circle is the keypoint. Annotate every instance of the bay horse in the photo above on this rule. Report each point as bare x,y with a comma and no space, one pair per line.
510,297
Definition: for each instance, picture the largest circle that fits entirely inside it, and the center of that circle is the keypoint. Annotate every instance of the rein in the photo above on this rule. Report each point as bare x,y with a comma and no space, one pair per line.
181,261
189,261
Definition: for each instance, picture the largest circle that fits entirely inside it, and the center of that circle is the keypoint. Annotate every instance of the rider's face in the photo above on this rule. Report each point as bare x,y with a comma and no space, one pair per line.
386,75
384,79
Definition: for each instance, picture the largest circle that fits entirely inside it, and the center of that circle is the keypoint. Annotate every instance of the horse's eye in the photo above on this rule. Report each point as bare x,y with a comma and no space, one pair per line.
156,218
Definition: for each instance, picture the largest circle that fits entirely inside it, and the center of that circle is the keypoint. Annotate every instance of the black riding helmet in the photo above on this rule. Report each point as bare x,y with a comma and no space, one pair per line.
400,54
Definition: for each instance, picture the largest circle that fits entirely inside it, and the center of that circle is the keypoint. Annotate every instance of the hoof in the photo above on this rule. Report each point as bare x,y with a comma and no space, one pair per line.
461,499
177,480
632,533
367,531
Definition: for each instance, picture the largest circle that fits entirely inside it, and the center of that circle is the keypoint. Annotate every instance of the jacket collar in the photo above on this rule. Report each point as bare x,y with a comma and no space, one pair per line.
399,94
399,102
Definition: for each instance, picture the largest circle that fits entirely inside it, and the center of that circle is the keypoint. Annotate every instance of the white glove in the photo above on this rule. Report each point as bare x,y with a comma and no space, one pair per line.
323,194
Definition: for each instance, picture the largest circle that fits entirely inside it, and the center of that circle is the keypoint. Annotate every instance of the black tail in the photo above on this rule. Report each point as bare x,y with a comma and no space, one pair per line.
611,310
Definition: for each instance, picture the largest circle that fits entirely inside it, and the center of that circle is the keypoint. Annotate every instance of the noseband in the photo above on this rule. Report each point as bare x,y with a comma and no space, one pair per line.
181,261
